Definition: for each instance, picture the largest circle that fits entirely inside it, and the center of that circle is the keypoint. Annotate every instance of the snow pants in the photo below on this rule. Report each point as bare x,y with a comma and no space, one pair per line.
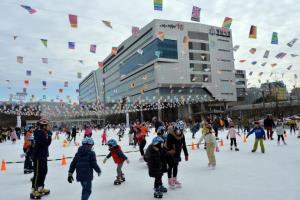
40,171
261,143
210,150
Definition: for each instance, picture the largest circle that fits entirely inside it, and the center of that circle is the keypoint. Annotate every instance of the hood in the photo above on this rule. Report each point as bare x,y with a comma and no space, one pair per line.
83,150
177,137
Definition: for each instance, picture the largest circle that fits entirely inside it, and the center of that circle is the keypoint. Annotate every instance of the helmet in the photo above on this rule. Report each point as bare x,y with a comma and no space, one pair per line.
112,143
88,141
161,129
157,140
180,125
43,121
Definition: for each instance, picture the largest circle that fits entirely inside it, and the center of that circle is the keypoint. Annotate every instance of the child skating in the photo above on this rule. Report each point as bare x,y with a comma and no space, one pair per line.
280,132
260,136
119,157
232,133
104,137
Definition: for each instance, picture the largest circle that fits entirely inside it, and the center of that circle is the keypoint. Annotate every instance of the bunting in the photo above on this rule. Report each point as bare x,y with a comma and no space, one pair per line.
263,64
114,51
44,83
227,23
266,54
281,55
29,9
253,62
60,90
26,82
140,51
81,61
44,42
250,74
292,42
253,32
71,45
274,38
252,50
273,64
160,35
79,75
158,4
107,23
196,14
242,61
45,60
294,55
93,48
186,40
289,67
100,64
28,73
135,31
73,20
20,59
236,47
66,84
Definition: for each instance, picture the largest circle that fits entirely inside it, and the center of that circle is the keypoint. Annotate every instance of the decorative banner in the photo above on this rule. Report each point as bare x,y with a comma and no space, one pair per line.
281,55
45,60
15,37
273,64
196,14
236,47
20,59
44,42
250,74
71,45
28,73
66,84
158,4
160,35
253,32
114,51
294,55
263,64
107,23
242,61
289,67
81,61
292,42
79,75
29,9
135,31
73,20
252,50
93,48
24,90
261,73
266,54
100,64
60,90
254,62
295,75
26,82
274,38
157,54
186,40
44,83
227,23
50,72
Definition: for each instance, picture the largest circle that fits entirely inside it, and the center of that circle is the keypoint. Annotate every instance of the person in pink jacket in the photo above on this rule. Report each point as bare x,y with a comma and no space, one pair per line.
13,136
232,135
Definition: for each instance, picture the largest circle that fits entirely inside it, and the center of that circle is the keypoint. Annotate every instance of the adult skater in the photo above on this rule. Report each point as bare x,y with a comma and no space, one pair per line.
269,124
42,141
260,136
28,150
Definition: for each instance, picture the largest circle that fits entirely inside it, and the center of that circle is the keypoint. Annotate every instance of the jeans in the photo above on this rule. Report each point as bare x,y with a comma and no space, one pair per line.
269,132
173,169
158,182
86,189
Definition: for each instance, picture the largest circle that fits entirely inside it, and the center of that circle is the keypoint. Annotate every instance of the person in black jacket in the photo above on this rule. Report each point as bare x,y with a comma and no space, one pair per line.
84,162
175,144
42,141
269,124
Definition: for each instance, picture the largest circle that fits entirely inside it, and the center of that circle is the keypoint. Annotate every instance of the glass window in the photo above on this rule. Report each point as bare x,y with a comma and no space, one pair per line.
240,83
239,76
198,46
198,35
223,40
200,78
224,50
200,56
200,67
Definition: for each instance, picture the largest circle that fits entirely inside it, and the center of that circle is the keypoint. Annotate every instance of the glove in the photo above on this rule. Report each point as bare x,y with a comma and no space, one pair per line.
104,161
70,179
127,161
217,149
186,158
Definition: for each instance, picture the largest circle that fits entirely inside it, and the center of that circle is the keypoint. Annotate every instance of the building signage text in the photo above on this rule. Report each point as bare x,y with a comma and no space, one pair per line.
173,26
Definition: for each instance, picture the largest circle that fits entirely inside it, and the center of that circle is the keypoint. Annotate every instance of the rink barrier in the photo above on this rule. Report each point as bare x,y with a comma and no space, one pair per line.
71,157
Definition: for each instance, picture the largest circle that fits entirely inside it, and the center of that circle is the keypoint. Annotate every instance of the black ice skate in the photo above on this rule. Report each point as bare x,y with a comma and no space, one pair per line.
118,181
236,149
163,189
123,178
35,195
157,193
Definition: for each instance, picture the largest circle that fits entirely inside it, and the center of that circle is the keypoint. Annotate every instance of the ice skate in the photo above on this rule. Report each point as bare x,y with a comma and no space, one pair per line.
177,183
123,178
236,149
157,193
35,195
163,189
118,181
230,148
44,191
171,183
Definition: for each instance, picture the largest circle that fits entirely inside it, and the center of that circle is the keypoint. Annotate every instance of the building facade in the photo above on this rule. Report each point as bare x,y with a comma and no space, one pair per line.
295,93
91,87
241,84
275,90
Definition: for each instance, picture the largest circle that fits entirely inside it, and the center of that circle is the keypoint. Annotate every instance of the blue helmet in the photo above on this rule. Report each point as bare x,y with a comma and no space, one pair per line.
88,141
180,125
157,140
112,143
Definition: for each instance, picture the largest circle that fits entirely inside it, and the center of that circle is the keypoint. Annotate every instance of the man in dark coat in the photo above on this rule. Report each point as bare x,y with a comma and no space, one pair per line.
269,124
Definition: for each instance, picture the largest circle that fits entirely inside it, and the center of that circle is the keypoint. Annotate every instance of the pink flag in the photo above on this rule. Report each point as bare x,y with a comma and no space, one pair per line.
93,48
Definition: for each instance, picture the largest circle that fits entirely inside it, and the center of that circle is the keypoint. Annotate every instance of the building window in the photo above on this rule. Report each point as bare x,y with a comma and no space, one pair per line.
224,80
224,50
225,70
199,56
224,60
239,75
240,83
222,40
198,67
198,46
200,78
227,93
198,35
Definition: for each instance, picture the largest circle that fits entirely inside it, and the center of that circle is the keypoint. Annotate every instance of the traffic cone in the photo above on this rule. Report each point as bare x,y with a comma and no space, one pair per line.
63,161
222,143
244,140
193,146
3,166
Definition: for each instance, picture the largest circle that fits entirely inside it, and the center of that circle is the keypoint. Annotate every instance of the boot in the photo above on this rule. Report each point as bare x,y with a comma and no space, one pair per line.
118,181
157,193
35,194
43,191
123,178
171,183
230,148
176,182
163,189
236,149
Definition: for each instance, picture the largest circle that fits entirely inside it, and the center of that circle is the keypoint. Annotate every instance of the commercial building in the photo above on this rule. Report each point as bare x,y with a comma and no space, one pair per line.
241,84
275,90
91,87
295,93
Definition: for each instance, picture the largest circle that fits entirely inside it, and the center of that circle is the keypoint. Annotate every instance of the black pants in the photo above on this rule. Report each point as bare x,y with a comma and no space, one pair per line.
292,128
158,182
40,172
233,141
216,132
173,169
73,137
142,145
28,161
280,136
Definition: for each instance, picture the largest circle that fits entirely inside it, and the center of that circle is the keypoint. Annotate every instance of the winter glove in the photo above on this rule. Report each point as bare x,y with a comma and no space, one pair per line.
70,178
186,158
104,161
217,149
127,161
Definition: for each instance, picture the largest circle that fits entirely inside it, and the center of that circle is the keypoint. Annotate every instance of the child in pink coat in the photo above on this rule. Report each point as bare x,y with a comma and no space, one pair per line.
232,135
13,136
104,137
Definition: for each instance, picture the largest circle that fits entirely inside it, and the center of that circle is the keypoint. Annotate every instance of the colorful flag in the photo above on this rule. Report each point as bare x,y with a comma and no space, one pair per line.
45,60
66,84
253,32
26,82
252,50
73,20
289,67
158,4
196,14
227,23
50,72
81,61
107,23
261,73
135,31
77,90
185,42
28,73
15,37
242,61
44,42
294,55
29,9
100,64
60,90
71,45
160,35
236,47
273,64
44,83
281,55
274,38
295,76
292,42
266,54
20,59
93,48
264,64
79,75
24,90
250,74
114,51
44,96
253,62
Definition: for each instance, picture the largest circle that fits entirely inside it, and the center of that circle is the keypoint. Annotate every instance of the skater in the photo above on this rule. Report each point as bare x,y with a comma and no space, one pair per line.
269,124
68,133
232,135
28,150
104,137
73,134
175,144
280,132
293,124
211,145
42,141
246,125
155,158
141,140
260,136
84,163
215,126
131,134
87,131
119,157
298,124
239,124
195,128
13,136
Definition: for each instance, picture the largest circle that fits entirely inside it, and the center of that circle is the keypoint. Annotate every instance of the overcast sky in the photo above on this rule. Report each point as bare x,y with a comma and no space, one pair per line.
51,22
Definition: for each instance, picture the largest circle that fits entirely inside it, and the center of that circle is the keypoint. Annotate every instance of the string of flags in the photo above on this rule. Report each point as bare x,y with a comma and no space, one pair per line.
196,14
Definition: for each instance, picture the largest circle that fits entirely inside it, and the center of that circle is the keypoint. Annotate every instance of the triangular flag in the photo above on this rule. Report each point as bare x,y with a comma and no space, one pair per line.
114,50
294,55
66,84
73,20
289,67
44,42
227,23
274,38
281,55
253,32
295,76
60,90
236,47
28,73
15,37
140,51
196,14
263,64
254,62
44,83
252,50
71,45
273,64
107,23
79,75
158,4
157,54
242,61
266,54
29,9
250,74
186,41
45,60
292,42
93,48
135,31
26,82
100,64
20,59
50,72
261,73
161,35
81,61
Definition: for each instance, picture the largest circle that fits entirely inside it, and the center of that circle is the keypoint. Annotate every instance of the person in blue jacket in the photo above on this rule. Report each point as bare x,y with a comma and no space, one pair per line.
84,162
260,136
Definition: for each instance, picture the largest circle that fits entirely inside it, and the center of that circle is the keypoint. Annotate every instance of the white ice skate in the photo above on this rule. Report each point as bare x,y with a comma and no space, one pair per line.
177,183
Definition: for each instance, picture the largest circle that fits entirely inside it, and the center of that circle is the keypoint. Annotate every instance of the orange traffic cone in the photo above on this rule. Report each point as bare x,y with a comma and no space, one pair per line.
222,143
3,166
63,161
193,146
244,140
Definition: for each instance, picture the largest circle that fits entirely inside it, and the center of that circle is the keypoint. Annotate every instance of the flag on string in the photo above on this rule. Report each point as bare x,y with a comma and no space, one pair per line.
227,23
236,47
107,23
273,64
44,42
186,41
294,55
44,97
158,4
29,9
114,50
261,73
263,64
50,72
73,20
44,83
242,61
24,90
289,67
100,64
79,75
15,37
45,60
274,38
253,32
71,45
160,35
77,90
250,74
253,62
266,54
93,48
26,82
60,90
292,42
28,73
81,61
281,55
271,74
196,14
295,75
20,59
66,84
252,50
135,30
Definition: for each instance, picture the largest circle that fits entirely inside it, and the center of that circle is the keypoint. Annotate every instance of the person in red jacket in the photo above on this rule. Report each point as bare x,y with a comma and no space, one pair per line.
119,157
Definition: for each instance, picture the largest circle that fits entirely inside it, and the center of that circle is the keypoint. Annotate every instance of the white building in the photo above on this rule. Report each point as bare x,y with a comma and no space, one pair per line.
241,84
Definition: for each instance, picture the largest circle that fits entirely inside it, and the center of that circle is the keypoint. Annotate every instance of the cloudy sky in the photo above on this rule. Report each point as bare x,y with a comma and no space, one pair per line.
51,22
